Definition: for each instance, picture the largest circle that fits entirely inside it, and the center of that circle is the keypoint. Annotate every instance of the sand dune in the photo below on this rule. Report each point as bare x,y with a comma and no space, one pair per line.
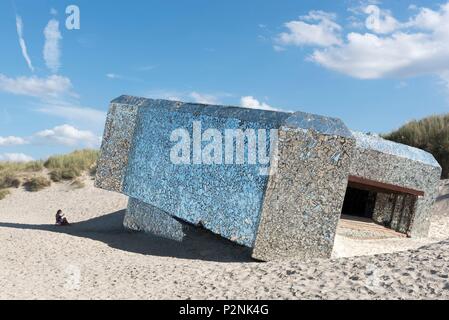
96,259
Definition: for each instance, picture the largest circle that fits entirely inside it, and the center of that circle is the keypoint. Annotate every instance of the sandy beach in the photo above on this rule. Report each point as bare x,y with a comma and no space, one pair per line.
96,258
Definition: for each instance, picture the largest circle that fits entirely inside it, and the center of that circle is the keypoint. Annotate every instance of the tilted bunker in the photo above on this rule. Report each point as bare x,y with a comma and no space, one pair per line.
276,182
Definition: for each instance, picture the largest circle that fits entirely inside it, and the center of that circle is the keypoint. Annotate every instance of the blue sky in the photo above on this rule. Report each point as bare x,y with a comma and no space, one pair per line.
373,64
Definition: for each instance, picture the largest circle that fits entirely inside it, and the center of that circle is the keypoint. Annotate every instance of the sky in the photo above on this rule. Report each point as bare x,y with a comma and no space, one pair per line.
374,64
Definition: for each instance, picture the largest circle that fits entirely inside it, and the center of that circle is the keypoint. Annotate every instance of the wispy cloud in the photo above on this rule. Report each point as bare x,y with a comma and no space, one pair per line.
147,68
71,111
253,103
23,46
11,141
52,52
65,135
204,98
166,94
52,86
55,97
115,76
68,136
15,157
193,96
317,28
385,48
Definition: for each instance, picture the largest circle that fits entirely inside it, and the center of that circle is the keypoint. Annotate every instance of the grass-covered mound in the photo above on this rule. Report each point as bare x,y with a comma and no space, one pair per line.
12,172
71,166
36,184
4,193
430,134
36,175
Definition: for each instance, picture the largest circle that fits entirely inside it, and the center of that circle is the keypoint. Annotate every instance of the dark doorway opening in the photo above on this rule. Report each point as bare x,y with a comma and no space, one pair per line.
369,202
359,203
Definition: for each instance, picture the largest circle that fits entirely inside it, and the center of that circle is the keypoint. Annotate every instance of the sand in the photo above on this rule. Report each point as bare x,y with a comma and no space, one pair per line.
97,259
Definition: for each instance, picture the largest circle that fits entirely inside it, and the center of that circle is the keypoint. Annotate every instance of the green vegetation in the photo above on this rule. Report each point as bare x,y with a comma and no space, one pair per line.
82,160
14,167
9,180
430,134
59,175
36,184
59,168
10,172
71,166
3,194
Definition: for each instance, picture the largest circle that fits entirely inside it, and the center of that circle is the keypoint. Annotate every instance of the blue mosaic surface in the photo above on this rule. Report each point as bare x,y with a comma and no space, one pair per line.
321,124
225,199
228,199
141,216
377,143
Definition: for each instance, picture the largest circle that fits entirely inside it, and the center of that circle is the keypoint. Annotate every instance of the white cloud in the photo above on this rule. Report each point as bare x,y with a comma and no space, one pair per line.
324,32
73,112
52,52
11,141
368,56
67,135
204,98
165,94
428,19
15,157
390,48
113,76
278,48
19,25
55,97
253,103
197,97
34,86
380,21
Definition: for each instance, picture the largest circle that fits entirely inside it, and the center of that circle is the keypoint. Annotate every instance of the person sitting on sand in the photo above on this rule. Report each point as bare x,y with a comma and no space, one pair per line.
60,219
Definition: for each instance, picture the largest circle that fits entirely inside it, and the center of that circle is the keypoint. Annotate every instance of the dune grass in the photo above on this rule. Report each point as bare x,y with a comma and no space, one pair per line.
4,193
9,180
430,134
36,174
72,165
13,167
59,175
36,184
10,172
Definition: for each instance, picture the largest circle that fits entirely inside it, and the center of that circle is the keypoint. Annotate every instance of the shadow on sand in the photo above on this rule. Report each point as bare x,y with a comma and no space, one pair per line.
197,245
443,197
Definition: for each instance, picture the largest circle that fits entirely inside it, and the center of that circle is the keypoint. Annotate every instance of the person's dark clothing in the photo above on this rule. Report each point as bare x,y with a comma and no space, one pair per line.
60,220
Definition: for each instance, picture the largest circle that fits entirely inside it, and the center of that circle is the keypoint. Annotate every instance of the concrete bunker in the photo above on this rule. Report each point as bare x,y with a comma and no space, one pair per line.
294,211
387,205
